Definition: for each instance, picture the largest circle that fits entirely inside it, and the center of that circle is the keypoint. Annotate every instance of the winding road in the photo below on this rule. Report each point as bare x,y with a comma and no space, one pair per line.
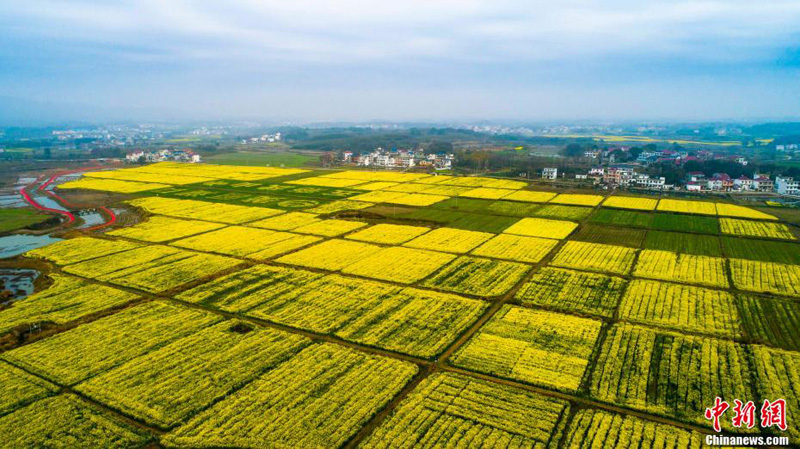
111,218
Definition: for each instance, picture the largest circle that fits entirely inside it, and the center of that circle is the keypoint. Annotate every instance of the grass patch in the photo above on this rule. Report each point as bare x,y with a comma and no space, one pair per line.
622,218
611,235
678,242
576,213
771,321
278,159
510,208
782,252
685,223
459,220
11,219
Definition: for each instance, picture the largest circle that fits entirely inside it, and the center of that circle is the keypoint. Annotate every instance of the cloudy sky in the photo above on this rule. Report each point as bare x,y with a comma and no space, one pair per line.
307,60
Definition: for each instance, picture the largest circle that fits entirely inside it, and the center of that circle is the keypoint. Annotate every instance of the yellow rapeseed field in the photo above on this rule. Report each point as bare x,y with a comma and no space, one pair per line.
68,421
450,240
134,175
732,210
167,386
766,277
375,185
332,255
319,398
530,196
20,388
234,172
749,228
252,243
516,247
687,207
532,346
103,344
595,257
68,299
483,412
478,276
80,249
286,222
330,228
689,268
377,176
203,210
577,199
444,189
398,264
406,199
160,229
627,202
152,268
542,227
338,206
326,182
594,428
111,185
777,376
681,307
487,193
388,234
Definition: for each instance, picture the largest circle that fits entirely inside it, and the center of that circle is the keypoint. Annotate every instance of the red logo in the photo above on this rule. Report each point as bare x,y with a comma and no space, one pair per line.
774,413
744,413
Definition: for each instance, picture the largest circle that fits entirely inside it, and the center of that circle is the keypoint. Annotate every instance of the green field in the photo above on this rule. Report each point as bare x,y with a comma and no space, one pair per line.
765,250
772,321
510,208
622,218
576,213
611,235
685,223
460,220
11,219
679,242
277,159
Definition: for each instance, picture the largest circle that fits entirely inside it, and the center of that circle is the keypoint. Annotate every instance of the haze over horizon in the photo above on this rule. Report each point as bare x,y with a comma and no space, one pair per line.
355,60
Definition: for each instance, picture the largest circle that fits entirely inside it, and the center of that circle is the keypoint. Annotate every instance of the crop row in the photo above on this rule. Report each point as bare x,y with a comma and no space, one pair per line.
152,268
401,319
318,398
66,300
170,384
532,346
87,350
202,210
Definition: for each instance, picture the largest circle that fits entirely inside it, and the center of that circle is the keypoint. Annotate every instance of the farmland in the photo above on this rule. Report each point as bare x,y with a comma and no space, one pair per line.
250,306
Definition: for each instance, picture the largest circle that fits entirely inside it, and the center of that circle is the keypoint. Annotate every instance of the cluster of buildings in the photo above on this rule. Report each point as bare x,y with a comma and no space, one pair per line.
695,181
381,158
608,155
625,177
181,155
722,182
264,138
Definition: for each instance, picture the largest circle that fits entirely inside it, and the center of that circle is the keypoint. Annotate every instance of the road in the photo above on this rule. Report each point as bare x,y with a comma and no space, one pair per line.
111,218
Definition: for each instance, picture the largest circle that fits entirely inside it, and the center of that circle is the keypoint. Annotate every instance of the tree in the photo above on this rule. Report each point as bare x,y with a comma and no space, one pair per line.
573,150
440,147
327,159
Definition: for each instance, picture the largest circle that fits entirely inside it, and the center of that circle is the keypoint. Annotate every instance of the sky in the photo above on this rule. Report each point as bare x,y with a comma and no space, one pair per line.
412,60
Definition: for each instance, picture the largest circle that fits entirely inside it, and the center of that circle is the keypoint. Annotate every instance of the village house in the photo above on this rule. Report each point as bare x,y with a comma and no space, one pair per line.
787,186
549,173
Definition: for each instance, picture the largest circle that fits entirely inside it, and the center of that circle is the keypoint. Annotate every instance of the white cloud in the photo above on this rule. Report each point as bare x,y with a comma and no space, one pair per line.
367,31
